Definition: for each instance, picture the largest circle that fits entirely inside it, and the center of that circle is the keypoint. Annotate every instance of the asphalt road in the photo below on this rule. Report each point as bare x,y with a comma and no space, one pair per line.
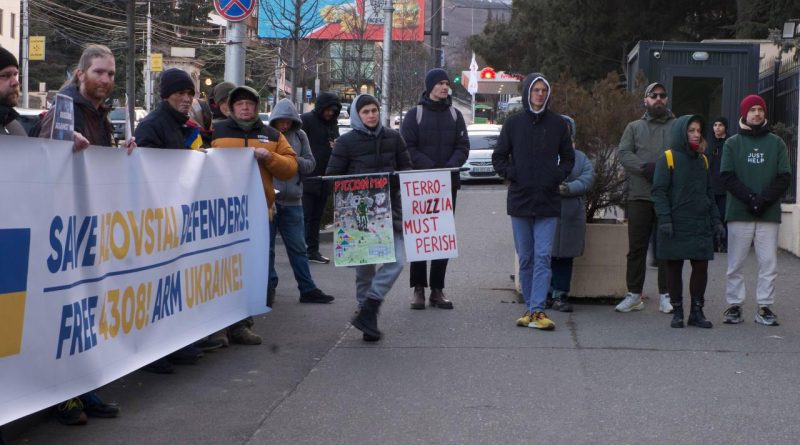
470,375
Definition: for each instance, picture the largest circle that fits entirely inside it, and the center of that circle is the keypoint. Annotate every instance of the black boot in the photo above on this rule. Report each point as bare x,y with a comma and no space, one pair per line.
677,316
367,319
696,317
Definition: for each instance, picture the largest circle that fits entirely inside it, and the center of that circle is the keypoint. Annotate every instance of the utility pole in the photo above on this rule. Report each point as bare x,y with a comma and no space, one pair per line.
387,55
436,33
148,69
131,64
25,44
234,53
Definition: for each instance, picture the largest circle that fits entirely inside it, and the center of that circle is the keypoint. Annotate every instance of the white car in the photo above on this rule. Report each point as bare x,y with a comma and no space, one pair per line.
482,141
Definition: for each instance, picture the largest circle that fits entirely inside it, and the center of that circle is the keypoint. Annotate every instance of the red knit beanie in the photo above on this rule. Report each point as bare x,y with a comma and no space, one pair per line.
749,102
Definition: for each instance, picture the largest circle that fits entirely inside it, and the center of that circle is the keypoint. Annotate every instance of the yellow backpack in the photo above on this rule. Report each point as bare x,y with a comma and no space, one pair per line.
671,160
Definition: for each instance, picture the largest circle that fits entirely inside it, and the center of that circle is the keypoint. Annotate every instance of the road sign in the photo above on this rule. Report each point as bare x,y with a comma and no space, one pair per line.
234,10
156,62
36,48
308,94
472,87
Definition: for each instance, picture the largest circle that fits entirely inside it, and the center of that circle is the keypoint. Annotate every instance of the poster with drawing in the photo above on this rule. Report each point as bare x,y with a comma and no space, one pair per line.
362,221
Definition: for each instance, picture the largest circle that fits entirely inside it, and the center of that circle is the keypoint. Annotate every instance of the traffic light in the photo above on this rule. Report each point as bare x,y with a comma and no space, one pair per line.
457,79
488,73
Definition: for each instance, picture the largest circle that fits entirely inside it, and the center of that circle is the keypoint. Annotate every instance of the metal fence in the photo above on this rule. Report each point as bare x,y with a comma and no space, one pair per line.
778,85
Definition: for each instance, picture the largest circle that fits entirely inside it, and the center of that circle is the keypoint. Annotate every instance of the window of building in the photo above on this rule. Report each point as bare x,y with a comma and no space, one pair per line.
352,61
1,22
13,25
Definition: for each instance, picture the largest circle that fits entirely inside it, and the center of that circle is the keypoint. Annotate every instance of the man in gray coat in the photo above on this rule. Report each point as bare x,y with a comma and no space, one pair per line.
643,142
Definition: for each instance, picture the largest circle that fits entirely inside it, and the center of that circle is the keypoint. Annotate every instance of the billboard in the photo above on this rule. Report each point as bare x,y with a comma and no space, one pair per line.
342,19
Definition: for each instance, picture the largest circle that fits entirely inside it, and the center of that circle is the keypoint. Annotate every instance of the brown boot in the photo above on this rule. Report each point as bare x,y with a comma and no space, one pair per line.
244,336
419,298
438,300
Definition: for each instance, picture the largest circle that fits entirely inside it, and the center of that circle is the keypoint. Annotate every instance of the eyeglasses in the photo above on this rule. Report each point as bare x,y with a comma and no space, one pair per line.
657,95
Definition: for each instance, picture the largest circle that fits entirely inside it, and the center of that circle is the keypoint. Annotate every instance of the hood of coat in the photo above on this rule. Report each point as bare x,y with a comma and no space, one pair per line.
325,100
285,110
7,115
78,99
527,85
679,140
357,124
436,105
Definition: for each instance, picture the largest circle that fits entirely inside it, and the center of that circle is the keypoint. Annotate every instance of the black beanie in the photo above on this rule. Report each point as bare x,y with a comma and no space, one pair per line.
174,80
722,120
364,100
7,59
433,77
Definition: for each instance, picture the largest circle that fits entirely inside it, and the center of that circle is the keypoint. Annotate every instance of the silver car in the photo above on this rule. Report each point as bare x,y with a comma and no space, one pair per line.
482,141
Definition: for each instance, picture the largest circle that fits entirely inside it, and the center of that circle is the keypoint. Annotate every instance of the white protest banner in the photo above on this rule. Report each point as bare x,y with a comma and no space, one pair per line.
109,262
429,227
362,220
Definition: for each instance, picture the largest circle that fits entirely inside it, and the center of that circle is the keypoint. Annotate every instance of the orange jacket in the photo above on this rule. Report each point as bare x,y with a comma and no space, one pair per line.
283,162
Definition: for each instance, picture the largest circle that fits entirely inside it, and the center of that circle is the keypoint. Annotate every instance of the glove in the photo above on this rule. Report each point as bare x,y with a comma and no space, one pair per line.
666,229
719,232
649,170
563,189
756,206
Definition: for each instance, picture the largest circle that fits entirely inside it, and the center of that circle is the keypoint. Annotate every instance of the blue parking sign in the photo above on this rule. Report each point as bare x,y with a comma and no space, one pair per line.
234,10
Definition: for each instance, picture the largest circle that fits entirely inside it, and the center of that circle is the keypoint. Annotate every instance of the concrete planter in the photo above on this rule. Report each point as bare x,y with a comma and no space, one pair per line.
600,272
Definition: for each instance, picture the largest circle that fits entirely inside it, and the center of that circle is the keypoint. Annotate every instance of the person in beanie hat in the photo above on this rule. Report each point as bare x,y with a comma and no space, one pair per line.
436,136
219,100
642,143
534,154
372,148
9,94
169,125
275,158
756,172
717,138
688,220
321,126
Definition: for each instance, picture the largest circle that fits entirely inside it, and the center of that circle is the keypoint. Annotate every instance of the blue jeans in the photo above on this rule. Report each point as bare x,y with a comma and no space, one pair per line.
533,239
375,283
289,221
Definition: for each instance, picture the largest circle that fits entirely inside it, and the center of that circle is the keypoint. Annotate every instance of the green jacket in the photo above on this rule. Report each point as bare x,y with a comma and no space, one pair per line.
642,143
758,162
683,197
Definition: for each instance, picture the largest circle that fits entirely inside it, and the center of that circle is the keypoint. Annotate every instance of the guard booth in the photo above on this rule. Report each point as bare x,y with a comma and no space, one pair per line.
706,78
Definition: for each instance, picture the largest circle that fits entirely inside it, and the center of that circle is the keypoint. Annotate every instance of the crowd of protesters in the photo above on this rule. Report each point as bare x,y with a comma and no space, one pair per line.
694,196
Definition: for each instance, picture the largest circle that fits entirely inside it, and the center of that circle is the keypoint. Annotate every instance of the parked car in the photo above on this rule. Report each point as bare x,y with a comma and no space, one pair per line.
264,118
482,141
399,118
344,127
117,118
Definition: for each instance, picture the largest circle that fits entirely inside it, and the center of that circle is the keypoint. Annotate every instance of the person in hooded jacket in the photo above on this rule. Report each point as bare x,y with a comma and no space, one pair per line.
9,95
437,138
534,154
373,148
275,157
570,236
322,127
288,217
687,215
719,134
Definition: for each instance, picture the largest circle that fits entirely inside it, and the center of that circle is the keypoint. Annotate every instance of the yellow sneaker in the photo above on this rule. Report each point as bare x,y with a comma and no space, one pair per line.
525,320
539,320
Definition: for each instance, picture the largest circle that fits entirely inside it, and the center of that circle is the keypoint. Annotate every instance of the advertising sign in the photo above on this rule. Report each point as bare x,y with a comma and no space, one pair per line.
36,47
345,20
362,221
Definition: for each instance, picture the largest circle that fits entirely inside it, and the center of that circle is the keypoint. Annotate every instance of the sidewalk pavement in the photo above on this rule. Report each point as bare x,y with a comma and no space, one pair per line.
469,375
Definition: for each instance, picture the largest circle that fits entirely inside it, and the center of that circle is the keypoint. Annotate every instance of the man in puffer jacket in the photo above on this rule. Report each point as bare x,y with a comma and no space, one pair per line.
534,154
372,148
288,217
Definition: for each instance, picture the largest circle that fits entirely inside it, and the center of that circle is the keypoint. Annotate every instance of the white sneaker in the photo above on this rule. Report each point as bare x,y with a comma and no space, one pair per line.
664,304
632,302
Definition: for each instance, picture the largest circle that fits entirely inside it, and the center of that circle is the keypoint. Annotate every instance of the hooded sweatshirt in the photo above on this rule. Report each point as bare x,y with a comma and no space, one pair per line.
321,132
9,126
534,153
683,197
291,190
376,150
